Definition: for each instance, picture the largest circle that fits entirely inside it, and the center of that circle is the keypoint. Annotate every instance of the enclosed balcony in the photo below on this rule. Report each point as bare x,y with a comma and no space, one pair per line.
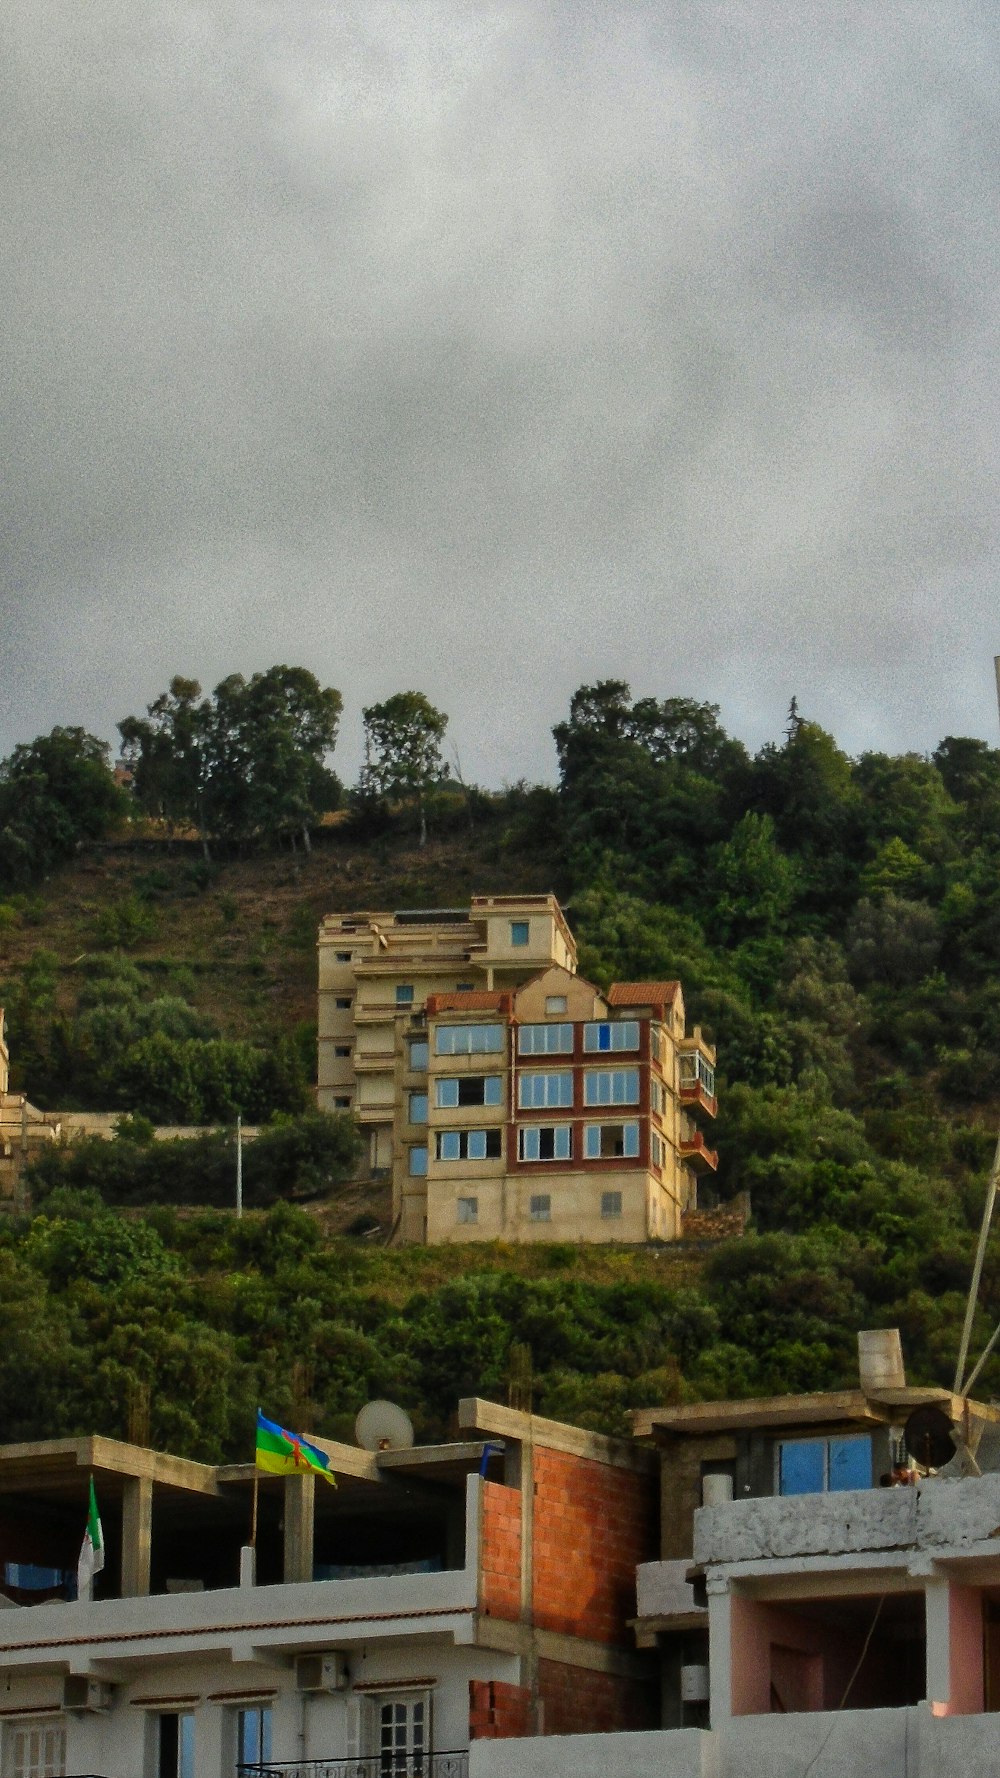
696,1078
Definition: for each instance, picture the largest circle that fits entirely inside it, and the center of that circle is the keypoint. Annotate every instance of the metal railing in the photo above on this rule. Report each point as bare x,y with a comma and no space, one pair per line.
376,1765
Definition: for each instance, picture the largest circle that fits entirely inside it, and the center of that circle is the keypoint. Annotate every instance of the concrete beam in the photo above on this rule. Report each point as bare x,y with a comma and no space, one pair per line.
476,1415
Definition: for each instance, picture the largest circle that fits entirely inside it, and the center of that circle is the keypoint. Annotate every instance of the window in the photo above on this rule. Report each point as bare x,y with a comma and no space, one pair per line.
545,1040
824,1465
175,1745
621,1035
468,1145
467,1209
611,1203
404,993
519,932
404,1736
657,1097
613,1086
468,1040
253,1735
540,1207
341,1104
418,1162
555,1003
657,1149
341,1049
343,1003
418,1108
467,1089
695,1071
545,1142
38,1750
419,1055
344,956
611,1142
465,987
536,1091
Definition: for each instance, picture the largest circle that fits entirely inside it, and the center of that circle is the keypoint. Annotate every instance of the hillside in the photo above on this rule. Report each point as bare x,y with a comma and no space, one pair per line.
836,925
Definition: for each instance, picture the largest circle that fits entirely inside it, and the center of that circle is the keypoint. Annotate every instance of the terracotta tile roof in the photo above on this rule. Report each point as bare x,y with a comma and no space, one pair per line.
473,1000
642,993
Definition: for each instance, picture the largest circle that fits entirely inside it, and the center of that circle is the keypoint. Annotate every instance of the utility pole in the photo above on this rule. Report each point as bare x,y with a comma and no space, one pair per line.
239,1165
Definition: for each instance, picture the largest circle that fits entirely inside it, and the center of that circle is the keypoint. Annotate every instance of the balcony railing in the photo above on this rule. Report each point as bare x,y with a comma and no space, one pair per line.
376,1765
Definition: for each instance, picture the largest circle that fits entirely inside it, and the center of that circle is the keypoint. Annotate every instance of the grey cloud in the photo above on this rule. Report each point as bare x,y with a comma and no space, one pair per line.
495,349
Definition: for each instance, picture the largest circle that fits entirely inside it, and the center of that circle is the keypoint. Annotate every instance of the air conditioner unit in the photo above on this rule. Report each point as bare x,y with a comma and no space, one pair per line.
320,1673
81,1693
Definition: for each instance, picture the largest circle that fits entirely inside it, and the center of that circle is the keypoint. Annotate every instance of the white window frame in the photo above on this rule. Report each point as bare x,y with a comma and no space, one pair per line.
468,1040
467,1210
630,1141
35,1748
529,1137
611,1086
446,1100
693,1070
418,1043
554,1038
466,1144
555,1003
623,1034
538,1091
265,1713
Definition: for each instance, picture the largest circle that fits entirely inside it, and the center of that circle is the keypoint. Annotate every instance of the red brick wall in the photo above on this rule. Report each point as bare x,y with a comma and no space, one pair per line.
501,1551
593,1524
497,1710
578,1702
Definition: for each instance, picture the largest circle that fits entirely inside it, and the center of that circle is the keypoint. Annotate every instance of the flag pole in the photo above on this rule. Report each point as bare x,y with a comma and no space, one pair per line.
253,1515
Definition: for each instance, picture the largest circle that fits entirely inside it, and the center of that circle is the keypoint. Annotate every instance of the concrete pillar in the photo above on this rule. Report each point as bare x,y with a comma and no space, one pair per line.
137,1536
938,1616
720,1655
300,1500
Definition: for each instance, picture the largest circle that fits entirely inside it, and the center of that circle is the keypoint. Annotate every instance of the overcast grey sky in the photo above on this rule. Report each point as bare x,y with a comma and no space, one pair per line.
491,349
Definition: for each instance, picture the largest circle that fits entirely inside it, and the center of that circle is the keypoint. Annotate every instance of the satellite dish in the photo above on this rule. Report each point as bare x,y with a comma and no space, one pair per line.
382,1426
928,1437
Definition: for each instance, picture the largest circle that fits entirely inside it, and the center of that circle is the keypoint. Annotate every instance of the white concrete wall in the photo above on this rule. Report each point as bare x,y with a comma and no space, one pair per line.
661,1589
890,1743
657,1753
940,1513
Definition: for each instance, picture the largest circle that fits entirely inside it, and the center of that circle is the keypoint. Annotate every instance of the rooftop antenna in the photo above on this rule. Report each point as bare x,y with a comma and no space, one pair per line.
383,1426
960,1384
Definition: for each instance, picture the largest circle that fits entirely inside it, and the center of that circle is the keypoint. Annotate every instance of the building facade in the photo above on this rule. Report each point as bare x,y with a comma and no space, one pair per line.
438,1595
508,1098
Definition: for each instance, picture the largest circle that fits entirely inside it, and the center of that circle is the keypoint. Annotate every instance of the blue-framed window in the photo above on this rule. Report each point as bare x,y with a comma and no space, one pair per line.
824,1465
520,932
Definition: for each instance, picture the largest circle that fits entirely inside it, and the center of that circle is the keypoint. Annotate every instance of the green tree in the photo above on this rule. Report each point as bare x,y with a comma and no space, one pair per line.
269,740
167,752
403,739
55,793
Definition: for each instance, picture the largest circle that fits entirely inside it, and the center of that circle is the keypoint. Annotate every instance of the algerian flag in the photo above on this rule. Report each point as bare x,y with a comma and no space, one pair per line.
91,1550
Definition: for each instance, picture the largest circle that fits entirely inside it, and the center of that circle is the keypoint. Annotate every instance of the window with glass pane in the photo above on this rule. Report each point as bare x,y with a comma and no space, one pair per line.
468,1040
540,1207
468,1209
404,1737
467,1089
622,1034
612,1086
419,1054
253,1735
555,1003
404,994
545,1142
468,1145
176,1745
418,1162
519,930
536,1091
611,1203
418,1108
545,1040
611,1142
38,1750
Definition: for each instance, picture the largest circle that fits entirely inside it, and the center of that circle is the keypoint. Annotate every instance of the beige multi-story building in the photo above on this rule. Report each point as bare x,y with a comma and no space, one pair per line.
508,1097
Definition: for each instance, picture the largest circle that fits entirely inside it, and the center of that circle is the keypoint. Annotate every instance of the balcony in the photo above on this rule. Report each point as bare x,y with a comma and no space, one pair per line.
376,1765
696,1078
695,1151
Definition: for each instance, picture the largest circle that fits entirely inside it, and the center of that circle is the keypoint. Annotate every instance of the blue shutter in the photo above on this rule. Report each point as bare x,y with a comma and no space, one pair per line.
850,1463
802,1466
